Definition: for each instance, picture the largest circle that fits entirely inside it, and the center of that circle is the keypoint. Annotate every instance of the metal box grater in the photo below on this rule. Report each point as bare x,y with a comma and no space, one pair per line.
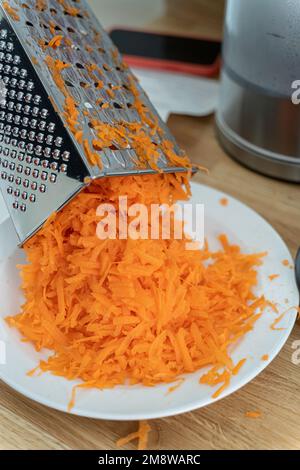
42,163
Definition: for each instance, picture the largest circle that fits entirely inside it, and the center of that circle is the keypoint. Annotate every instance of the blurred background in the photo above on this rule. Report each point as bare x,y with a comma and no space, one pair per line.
203,17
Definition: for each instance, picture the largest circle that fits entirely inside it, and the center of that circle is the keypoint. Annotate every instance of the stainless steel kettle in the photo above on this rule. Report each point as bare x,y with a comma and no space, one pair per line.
258,117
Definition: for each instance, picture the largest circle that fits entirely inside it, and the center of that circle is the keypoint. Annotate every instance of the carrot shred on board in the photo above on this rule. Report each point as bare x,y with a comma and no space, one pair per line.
141,435
280,317
253,414
238,367
286,263
41,5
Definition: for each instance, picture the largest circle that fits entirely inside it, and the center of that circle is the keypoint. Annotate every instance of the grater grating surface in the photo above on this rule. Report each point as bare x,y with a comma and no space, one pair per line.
70,111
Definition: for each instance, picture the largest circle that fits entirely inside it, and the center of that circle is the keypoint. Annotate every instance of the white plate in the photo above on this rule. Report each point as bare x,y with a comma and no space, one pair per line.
244,227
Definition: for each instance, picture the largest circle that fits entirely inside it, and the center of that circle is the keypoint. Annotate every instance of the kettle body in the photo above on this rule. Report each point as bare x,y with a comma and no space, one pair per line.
258,116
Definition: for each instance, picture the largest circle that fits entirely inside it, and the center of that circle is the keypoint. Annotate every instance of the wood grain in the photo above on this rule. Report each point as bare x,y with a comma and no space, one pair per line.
223,425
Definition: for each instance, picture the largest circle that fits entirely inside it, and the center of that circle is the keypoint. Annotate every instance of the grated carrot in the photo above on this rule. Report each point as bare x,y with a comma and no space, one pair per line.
13,12
253,414
143,311
224,201
141,435
176,386
272,277
41,5
55,42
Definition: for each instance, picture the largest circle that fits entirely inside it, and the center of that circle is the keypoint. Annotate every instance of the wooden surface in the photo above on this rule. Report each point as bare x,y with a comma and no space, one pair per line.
223,425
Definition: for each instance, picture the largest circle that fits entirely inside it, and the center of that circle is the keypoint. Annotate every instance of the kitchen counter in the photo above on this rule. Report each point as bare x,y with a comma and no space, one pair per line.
275,392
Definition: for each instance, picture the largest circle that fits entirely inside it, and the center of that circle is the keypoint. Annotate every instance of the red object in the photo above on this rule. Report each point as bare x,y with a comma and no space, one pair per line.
172,66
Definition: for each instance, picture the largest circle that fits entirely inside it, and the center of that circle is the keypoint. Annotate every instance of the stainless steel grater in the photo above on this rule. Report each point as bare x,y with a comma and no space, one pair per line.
42,162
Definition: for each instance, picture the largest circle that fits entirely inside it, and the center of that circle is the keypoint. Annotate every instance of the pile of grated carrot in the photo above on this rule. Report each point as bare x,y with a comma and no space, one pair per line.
134,311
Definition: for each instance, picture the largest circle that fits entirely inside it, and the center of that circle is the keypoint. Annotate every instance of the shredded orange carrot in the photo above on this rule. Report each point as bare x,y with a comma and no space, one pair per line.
41,5
224,201
176,386
286,262
13,12
56,67
143,311
239,365
265,357
272,277
141,435
253,414
92,157
55,41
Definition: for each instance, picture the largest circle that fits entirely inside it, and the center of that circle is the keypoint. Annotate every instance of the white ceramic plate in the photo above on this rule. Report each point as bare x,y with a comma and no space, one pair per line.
243,226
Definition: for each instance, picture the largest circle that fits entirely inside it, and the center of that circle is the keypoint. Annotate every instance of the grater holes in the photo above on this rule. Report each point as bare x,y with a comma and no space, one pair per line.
51,127
24,167
56,154
44,175
52,178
